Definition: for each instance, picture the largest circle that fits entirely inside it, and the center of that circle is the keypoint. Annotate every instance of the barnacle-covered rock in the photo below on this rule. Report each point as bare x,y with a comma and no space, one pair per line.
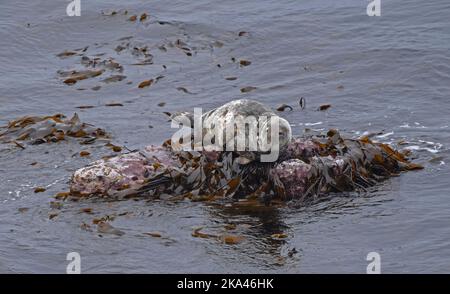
294,175
307,168
331,163
127,174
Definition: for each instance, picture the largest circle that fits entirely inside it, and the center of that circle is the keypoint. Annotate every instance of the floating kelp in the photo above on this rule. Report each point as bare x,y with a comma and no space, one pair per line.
146,83
248,89
307,168
23,209
244,62
324,107
283,107
231,239
143,17
113,147
73,76
114,78
106,228
184,90
96,67
66,54
153,234
102,61
114,12
84,153
330,163
114,104
302,103
39,189
52,215
224,238
47,129
279,236
85,106
87,210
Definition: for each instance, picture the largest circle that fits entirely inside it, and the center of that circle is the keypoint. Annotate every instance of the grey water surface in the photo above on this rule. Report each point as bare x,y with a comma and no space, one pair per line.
387,74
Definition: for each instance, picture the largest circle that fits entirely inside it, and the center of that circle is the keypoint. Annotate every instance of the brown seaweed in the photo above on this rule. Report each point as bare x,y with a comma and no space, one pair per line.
48,129
146,83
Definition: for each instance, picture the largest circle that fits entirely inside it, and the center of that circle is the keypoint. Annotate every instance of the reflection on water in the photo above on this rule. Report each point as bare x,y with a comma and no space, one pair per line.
263,226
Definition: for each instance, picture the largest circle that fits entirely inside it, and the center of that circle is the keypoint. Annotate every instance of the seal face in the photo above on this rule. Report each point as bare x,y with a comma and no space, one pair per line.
245,125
